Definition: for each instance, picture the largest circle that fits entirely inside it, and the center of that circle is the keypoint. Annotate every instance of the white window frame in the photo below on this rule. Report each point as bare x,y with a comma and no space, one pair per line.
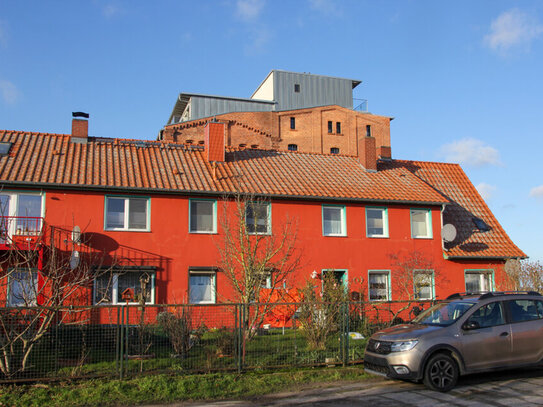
12,211
388,291
430,274
428,213
115,290
213,274
268,218
214,229
343,211
384,217
126,218
10,300
483,274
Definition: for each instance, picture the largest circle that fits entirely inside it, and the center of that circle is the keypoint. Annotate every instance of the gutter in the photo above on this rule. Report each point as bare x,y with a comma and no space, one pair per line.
169,191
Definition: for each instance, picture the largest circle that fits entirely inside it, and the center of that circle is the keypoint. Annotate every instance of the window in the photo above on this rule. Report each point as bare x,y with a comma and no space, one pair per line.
338,128
23,288
203,216
376,222
333,220
379,286
202,287
258,217
421,224
293,147
479,280
334,150
423,285
293,123
124,213
297,87
330,126
368,130
340,276
523,310
26,210
122,286
4,148
488,315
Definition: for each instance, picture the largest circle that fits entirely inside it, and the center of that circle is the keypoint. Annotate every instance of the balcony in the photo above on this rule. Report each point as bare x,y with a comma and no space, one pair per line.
20,232
361,105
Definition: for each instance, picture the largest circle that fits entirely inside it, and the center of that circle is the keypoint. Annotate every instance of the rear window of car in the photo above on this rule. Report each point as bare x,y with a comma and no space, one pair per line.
525,310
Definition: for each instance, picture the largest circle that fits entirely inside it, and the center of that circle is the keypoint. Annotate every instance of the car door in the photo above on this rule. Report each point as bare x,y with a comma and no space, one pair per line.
526,330
486,338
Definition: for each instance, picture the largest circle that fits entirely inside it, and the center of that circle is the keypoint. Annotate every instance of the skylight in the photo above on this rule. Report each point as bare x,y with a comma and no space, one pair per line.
481,224
4,148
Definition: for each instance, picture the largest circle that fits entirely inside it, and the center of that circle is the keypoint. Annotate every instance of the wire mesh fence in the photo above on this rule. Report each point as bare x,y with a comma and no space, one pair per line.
39,343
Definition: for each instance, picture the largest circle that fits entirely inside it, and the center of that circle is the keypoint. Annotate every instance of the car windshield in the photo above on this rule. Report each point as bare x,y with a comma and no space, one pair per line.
444,313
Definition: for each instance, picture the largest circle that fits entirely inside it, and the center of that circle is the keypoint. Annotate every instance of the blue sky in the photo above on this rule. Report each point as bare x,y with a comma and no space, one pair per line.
462,79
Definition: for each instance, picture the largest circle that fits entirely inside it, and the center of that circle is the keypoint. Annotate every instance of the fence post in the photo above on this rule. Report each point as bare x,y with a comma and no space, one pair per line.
346,334
120,337
241,309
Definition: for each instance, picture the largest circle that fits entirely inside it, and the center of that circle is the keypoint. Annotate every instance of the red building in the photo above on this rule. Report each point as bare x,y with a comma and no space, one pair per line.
155,207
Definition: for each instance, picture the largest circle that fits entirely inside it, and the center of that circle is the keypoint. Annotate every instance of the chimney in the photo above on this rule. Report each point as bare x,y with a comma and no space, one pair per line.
384,153
367,153
80,127
214,141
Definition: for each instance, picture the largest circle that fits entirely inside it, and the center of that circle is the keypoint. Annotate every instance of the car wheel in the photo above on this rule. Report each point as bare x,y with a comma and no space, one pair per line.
441,373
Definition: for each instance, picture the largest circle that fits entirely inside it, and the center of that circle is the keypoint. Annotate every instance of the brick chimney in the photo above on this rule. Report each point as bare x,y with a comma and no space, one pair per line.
384,153
80,127
214,141
367,153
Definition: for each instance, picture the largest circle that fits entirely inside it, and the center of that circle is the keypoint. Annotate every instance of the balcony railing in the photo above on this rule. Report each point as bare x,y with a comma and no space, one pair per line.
17,229
361,105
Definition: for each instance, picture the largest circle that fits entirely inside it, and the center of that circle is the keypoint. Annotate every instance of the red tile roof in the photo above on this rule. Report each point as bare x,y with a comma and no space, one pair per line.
111,164
137,165
465,204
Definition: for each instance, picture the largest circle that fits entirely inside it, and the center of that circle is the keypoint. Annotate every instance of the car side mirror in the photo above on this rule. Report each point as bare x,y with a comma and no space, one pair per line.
470,325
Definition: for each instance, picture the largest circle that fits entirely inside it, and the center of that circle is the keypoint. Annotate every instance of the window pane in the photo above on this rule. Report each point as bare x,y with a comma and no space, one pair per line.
103,289
378,286
137,215
115,213
4,205
375,220
29,206
133,281
332,221
477,282
522,310
423,286
488,315
256,217
419,225
201,288
23,287
201,216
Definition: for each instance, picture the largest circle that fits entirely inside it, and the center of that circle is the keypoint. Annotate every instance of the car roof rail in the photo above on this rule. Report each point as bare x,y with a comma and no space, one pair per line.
460,295
500,293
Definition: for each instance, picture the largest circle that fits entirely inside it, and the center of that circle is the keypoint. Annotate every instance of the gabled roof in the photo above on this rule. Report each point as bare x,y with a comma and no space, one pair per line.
465,209
107,164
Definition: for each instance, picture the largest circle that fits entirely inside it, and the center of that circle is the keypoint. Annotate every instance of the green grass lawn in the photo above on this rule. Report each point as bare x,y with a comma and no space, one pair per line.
169,389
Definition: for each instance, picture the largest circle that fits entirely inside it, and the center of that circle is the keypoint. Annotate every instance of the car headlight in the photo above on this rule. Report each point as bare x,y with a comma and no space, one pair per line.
402,346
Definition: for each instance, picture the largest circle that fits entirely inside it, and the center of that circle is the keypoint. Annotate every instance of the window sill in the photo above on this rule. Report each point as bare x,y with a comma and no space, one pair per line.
192,232
128,230
422,237
334,235
377,237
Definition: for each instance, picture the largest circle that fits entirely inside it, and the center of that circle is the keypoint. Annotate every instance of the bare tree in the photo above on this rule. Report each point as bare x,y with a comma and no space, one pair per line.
525,275
39,275
256,262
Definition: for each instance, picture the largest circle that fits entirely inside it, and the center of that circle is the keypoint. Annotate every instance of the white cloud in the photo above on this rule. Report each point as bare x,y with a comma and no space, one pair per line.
249,10
537,192
486,190
512,29
471,152
10,93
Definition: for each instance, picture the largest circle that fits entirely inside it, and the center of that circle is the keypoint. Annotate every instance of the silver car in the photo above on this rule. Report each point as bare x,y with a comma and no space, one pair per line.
464,334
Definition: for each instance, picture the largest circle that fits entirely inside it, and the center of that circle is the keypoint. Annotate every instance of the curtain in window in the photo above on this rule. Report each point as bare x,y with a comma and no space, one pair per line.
419,223
201,288
375,221
332,221
477,282
378,286
201,216
137,215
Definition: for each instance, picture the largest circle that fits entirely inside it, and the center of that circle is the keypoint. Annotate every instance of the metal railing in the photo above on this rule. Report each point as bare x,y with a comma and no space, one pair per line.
18,229
130,340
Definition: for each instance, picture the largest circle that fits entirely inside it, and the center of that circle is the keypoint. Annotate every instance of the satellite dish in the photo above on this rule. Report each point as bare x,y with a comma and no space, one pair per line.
448,232
76,235
74,259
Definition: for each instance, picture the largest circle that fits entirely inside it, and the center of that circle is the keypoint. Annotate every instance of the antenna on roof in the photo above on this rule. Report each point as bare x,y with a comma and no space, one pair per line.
80,114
